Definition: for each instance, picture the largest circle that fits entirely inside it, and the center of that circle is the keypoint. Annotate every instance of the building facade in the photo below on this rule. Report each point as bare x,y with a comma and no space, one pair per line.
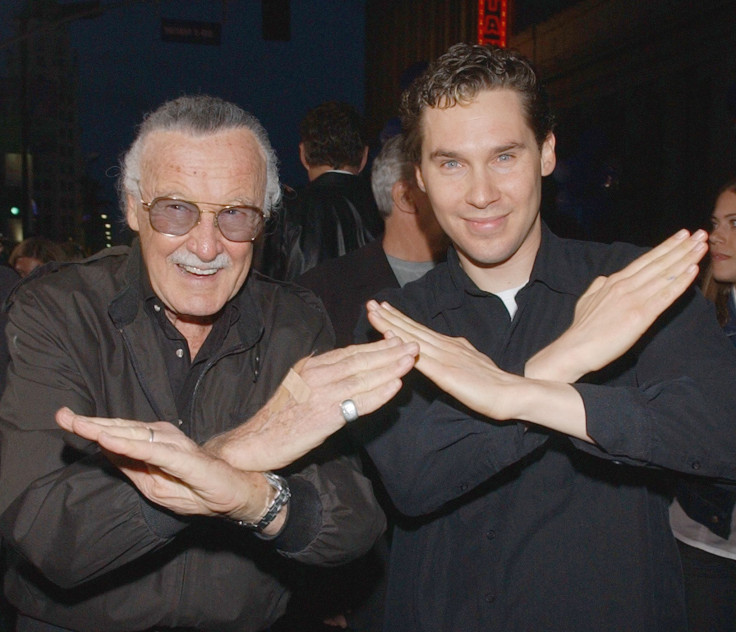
645,94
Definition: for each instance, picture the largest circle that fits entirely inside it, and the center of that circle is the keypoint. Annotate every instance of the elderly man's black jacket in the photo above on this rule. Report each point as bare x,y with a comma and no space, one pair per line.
86,551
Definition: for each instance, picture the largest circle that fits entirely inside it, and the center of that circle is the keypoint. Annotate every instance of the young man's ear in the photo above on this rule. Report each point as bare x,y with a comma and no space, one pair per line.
402,197
548,157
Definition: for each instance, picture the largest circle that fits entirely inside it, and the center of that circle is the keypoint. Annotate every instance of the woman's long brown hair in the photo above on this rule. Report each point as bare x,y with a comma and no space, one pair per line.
713,290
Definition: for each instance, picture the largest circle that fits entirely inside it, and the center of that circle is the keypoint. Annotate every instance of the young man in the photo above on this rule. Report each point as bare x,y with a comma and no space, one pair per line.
531,504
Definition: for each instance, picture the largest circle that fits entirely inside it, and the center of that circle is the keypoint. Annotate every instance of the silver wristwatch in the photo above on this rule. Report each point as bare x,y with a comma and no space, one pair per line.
279,500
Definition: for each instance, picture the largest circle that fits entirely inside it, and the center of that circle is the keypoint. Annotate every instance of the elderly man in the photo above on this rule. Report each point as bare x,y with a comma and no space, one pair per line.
176,329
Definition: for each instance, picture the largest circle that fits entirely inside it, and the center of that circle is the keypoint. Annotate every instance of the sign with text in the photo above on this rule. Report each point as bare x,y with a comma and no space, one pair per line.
492,22
188,32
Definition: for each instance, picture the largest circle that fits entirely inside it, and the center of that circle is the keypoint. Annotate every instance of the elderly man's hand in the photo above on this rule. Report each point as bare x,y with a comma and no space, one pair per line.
615,311
170,469
306,409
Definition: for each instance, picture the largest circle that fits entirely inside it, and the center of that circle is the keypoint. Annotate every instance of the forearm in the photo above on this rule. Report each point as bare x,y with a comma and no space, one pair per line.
305,410
332,515
430,452
254,445
261,500
553,405
615,311
673,424
556,362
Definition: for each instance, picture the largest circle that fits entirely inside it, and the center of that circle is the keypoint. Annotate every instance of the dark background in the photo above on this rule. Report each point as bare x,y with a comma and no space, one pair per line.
645,92
125,69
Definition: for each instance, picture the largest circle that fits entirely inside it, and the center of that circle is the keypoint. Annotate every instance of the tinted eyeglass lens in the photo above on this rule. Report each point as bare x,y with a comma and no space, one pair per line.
173,217
239,223
177,217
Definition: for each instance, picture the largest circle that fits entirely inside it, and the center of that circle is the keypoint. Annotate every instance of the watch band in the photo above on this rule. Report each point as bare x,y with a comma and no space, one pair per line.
283,493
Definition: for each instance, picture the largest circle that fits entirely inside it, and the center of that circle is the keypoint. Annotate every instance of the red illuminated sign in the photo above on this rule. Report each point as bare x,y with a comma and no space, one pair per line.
492,21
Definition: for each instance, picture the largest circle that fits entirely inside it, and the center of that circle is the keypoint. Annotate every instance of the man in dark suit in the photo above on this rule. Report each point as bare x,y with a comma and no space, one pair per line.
412,243
335,213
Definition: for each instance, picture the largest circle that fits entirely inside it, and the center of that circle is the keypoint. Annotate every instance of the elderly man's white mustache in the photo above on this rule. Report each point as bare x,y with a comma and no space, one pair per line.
192,263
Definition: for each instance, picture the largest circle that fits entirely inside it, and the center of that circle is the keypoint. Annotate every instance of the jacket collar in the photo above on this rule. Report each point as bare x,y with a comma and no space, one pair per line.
334,179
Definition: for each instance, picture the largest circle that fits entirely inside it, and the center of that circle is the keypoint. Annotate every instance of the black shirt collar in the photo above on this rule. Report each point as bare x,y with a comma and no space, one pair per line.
554,266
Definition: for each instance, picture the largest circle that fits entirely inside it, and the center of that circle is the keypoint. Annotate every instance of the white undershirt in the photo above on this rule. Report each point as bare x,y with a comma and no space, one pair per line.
509,299
695,534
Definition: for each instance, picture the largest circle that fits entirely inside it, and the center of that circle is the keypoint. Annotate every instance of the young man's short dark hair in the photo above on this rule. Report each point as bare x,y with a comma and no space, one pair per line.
459,75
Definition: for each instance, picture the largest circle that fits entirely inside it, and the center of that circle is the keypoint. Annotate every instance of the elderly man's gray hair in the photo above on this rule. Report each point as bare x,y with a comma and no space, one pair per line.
198,115
390,166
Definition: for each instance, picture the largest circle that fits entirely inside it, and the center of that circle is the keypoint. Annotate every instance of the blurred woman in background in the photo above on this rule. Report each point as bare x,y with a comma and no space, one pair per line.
703,517
720,281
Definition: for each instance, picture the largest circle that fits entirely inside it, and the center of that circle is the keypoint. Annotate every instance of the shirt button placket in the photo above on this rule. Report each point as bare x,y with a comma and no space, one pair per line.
489,592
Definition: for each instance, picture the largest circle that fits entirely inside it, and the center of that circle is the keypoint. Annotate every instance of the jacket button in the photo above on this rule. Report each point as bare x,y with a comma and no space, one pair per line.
490,597
491,534
695,465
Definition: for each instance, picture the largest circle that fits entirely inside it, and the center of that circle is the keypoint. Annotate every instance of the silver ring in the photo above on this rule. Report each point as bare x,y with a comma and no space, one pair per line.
150,439
349,410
